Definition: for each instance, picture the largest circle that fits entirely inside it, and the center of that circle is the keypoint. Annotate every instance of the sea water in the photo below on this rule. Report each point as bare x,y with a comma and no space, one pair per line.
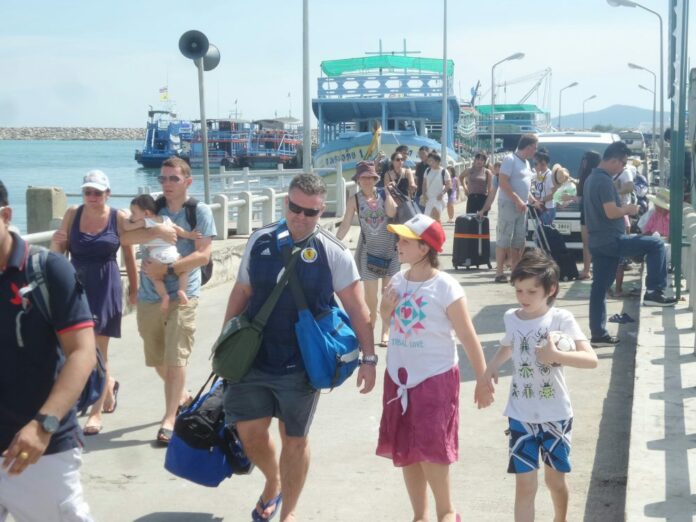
64,163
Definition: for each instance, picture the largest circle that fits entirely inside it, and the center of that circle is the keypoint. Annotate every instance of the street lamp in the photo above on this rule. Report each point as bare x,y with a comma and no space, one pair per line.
654,91
516,56
629,3
560,97
583,110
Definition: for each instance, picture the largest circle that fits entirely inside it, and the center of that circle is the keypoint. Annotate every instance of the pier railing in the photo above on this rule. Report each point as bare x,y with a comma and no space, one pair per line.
245,198
689,259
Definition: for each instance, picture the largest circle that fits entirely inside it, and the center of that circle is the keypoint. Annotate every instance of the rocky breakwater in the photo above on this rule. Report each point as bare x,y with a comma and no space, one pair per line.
71,133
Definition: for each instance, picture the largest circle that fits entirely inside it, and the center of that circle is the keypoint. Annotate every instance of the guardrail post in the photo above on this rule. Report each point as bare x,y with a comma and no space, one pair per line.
44,204
281,176
340,196
245,178
221,216
244,213
269,206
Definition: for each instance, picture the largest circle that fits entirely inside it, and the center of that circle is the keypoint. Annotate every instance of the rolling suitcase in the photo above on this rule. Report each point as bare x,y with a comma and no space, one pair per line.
472,242
551,240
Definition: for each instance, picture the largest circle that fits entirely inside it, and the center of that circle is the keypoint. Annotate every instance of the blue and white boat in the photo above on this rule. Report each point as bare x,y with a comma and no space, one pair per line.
162,138
376,103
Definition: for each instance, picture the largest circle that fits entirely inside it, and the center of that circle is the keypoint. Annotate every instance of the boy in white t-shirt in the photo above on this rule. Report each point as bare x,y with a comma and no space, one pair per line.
538,408
144,215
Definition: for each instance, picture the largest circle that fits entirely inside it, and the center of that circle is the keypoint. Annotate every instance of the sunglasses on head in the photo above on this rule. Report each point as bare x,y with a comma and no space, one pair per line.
297,209
171,179
93,192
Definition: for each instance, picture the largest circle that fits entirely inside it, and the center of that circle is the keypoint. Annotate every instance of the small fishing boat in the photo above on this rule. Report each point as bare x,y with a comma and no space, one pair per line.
162,138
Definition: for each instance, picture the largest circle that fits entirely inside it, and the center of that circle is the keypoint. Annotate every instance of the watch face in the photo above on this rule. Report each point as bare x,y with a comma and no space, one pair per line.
50,424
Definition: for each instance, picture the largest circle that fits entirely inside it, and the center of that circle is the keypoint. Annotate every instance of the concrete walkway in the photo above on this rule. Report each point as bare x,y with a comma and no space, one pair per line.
125,480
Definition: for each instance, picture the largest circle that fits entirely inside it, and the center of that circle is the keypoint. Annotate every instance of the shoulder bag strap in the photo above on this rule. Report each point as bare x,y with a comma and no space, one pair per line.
265,312
295,287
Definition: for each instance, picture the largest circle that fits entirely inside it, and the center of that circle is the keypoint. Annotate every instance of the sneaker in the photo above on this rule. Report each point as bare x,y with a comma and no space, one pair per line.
657,298
607,340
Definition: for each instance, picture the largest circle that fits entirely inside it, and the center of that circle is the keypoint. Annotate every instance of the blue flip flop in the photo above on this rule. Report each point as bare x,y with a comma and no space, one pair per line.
275,501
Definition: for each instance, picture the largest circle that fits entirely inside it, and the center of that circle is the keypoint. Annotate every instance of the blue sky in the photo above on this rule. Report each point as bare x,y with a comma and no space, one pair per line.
92,63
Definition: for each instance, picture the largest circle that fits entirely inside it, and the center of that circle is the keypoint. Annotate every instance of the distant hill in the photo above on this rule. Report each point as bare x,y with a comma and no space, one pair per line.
620,116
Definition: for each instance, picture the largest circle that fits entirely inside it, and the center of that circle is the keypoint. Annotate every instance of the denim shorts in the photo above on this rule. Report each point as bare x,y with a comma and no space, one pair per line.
290,398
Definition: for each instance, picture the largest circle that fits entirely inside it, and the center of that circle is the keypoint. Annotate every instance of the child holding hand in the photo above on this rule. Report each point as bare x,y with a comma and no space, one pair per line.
420,417
538,408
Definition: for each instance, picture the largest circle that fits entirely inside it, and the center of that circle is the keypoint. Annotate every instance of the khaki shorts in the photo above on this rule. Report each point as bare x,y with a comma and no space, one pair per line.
167,340
512,226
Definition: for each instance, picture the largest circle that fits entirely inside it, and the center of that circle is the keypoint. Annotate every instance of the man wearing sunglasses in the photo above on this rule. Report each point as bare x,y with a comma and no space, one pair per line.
277,385
168,338
44,365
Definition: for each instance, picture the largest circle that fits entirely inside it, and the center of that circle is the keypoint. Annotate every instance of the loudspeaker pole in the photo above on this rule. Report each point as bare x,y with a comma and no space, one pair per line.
204,131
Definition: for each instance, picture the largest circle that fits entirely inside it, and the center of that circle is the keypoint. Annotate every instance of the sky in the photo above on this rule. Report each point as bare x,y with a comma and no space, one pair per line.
101,64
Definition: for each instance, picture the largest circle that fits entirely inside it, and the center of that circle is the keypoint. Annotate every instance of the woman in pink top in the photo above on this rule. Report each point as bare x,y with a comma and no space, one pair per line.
477,182
420,416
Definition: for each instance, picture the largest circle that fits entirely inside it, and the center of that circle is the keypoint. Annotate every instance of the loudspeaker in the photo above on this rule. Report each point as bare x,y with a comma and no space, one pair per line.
211,58
194,45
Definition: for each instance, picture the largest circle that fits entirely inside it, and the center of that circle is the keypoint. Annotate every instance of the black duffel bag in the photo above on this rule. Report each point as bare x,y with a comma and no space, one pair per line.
406,208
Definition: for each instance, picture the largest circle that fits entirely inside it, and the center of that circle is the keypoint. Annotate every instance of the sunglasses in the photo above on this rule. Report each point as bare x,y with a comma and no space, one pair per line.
171,179
398,159
93,192
297,209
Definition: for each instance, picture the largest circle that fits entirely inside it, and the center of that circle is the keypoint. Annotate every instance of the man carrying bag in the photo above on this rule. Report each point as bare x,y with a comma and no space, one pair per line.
277,384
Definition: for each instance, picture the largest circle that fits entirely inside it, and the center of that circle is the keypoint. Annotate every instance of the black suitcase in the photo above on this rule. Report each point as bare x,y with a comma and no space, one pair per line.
551,240
472,242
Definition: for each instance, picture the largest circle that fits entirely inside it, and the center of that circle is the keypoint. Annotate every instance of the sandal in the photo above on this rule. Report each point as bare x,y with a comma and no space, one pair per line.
115,395
164,436
93,429
501,279
274,502
584,277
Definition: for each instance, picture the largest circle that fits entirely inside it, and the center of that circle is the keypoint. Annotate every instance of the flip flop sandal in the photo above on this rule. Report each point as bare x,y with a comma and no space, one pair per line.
501,279
117,385
275,501
164,436
627,318
616,318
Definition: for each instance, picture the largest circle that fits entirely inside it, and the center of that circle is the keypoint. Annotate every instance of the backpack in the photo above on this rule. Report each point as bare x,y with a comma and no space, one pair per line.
35,273
190,207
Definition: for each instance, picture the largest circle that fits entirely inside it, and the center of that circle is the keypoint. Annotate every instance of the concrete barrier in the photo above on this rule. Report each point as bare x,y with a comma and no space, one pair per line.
44,206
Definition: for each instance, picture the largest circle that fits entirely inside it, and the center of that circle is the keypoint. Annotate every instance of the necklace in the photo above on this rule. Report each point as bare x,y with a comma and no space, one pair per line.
406,292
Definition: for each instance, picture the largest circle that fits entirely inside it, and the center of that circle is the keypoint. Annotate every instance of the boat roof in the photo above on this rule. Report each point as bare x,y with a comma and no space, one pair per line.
385,61
486,109
414,108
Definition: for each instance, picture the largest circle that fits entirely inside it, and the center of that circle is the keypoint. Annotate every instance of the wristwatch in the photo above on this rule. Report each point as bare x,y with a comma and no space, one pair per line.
48,423
370,359
170,270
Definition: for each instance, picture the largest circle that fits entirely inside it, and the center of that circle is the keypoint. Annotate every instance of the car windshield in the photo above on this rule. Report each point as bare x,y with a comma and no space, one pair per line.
569,154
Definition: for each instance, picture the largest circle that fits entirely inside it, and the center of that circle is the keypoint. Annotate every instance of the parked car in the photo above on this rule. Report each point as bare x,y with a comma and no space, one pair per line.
567,148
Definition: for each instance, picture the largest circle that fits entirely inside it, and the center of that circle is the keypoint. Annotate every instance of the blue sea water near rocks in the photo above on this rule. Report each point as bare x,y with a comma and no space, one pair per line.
64,163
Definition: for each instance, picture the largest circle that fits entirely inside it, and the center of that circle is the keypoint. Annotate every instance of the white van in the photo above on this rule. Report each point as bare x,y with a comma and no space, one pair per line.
635,141
568,148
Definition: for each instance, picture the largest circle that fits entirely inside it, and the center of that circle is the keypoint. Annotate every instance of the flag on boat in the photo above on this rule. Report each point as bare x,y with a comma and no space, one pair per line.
164,93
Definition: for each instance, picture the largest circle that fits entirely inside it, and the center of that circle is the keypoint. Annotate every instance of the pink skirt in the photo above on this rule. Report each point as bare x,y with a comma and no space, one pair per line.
429,430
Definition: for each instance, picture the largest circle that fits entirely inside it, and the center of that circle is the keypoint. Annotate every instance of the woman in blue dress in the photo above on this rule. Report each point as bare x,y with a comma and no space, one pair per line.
90,233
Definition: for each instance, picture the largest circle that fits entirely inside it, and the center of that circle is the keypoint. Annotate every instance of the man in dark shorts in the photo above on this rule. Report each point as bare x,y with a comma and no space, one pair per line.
43,369
277,384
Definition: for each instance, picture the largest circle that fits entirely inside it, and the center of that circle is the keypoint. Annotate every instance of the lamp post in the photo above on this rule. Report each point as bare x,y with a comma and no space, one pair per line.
516,56
306,125
560,97
629,3
444,135
654,91
583,110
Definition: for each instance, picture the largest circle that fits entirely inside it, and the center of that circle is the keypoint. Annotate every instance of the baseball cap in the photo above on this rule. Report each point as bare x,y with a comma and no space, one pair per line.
421,227
96,179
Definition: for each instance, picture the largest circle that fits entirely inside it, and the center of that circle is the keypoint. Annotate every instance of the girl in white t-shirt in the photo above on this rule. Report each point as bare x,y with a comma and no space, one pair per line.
538,409
420,417
436,184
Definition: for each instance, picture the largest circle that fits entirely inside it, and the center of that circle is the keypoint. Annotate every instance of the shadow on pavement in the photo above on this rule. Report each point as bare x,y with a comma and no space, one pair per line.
109,440
164,516
606,496
677,442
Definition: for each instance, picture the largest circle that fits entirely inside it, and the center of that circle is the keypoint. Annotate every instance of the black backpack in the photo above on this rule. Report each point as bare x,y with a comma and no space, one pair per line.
37,294
190,206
